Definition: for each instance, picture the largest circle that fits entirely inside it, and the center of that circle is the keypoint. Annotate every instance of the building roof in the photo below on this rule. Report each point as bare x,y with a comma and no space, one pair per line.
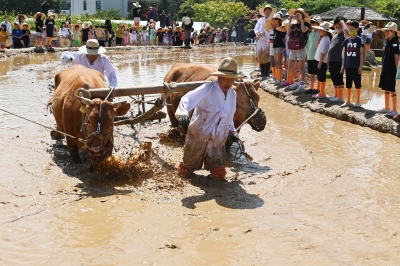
354,12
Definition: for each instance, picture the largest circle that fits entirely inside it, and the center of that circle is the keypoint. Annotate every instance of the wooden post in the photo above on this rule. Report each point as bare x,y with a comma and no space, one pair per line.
146,89
362,17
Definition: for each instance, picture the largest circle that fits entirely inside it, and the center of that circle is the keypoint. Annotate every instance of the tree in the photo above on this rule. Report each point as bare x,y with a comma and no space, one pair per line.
27,7
219,13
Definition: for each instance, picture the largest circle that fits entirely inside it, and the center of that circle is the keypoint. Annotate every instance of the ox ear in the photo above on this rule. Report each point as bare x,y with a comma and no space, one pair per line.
121,108
256,84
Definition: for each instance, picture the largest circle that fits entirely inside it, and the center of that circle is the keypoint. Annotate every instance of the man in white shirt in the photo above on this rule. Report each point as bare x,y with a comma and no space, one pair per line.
92,56
7,23
214,106
262,36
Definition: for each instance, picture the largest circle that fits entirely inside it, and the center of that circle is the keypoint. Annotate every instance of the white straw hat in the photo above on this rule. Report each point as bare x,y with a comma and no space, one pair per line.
92,48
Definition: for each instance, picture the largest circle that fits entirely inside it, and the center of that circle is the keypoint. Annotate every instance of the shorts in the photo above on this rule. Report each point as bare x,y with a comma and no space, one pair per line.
364,38
312,67
334,69
353,75
369,41
278,50
38,34
136,21
76,43
387,83
118,41
298,54
321,72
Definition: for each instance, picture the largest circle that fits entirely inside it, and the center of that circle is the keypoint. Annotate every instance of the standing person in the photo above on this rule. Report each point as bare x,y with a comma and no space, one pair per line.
320,55
160,36
270,25
162,17
16,34
262,36
311,45
153,13
133,36
335,59
148,15
7,24
187,23
176,37
298,35
195,37
126,35
91,33
50,27
390,63
85,32
241,22
136,14
45,7
143,35
278,46
119,34
26,34
353,60
109,31
76,35
39,28
233,34
364,32
207,134
152,35
3,36
64,32
168,19
92,56
370,31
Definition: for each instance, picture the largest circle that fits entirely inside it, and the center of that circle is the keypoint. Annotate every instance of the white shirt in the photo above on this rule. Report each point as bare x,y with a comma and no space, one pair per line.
101,64
133,36
64,32
8,26
213,111
263,39
364,32
322,48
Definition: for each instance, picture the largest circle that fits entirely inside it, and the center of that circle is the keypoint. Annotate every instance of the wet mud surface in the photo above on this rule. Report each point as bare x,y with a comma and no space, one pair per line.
319,190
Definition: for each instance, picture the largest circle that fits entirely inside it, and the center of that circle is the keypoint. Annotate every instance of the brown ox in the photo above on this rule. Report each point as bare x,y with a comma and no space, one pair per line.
182,72
79,116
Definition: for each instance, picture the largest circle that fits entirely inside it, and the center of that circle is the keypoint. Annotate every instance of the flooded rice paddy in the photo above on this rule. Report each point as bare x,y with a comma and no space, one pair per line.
319,191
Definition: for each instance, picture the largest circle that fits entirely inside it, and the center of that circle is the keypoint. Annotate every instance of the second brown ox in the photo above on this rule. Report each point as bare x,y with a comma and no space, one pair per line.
182,72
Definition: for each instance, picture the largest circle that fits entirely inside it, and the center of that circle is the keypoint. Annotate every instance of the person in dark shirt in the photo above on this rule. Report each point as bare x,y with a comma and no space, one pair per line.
278,45
353,60
16,34
160,36
390,62
136,14
241,22
162,17
85,32
153,13
50,23
26,34
108,26
168,19
39,28
45,7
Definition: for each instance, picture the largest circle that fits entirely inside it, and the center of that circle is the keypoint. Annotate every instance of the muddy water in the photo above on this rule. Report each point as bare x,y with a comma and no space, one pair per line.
319,191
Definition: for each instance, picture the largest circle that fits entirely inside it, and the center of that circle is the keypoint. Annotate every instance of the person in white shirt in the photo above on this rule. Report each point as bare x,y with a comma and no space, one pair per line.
214,106
8,24
262,37
323,43
92,56
64,32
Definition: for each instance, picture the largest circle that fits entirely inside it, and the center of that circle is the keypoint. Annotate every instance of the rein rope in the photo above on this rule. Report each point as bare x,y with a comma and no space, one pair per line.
253,107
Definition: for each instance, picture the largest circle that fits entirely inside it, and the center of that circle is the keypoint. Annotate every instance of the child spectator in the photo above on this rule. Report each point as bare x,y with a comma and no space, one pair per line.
353,59
311,45
3,36
323,43
152,35
44,35
85,32
233,34
76,35
143,35
50,27
126,36
390,63
16,34
195,37
39,28
278,45
160,36
64,32
119,35
26,34
91,33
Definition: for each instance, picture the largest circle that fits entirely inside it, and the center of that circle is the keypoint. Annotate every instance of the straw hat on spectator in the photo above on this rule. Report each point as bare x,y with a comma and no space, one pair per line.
26,25
268,22
52,14
227,69
300,10
316,19
92,47
42,15
100,33
364,22
9,41
65,43
390,26
86,24
136,5
261,11
79,25
284,26
323,26
17,23
159,29
178,28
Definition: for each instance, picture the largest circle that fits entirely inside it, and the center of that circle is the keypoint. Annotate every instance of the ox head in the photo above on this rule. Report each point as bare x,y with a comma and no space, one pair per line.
247,102
97,126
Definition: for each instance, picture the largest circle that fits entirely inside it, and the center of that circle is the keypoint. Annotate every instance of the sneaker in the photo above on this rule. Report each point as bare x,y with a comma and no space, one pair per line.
286,83
258,69
294,86
383,111
358,105
346,104
299,89
311,91
336,100
391,113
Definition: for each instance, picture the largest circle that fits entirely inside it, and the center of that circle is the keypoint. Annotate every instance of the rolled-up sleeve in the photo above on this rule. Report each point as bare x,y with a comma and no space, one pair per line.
110,72
68,56
192,99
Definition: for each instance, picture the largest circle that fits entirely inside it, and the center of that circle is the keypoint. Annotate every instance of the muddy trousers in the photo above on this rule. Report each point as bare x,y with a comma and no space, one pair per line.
197,152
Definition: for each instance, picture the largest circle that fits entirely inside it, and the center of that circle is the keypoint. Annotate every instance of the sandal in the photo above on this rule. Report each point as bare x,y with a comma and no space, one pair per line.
318,96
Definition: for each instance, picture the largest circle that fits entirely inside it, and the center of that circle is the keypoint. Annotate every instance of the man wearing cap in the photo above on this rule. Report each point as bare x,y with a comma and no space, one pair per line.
187,23
214,106
262,36
92,56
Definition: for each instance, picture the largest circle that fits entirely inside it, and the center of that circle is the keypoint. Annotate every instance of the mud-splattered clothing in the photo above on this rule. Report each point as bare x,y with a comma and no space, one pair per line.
209,126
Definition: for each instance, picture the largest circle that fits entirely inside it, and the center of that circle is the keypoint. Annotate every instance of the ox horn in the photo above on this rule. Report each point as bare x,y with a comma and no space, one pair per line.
84,92
118,104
